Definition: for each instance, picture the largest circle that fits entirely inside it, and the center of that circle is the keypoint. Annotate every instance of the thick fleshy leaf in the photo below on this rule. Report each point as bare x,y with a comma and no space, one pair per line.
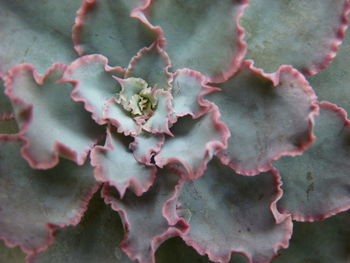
268,117
194,143
143,216
106,27
31,32
146,145
319,242
94,83
10,255
175,250
116,165
316,184
161,118
34,202
230,213
96,238
333,83
151,64
304,34
201,34
187,86
51,123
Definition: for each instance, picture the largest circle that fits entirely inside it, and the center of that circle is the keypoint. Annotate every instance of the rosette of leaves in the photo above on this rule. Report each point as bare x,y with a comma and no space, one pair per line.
158,131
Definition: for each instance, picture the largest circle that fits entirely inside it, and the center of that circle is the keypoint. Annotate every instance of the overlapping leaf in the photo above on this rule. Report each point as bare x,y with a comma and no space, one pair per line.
305,34
229,213
33,202
268,117
143,217
201,34
51,123
316,184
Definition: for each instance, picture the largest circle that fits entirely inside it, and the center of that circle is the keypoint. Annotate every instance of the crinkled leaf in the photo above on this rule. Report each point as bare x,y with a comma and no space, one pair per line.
201,34
159,121
143,216
151,64
266,120
229,213
304,34
317,183
116,165
194,142
96,238
50,121
146,145
321,242
105,27
8,124
10,255
332,84
31,32
94,83
34,201
187,86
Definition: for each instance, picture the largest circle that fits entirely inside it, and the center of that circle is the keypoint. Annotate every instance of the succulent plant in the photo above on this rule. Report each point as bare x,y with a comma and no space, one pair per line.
157,131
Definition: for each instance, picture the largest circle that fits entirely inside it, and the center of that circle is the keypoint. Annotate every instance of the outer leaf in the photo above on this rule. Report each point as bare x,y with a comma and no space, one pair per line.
268,117
50,122
332,84
116,165
321,242
94,239
245,222
34,202
94,83
201,34
206,135
8,123
105,27
30,32
305,34
316,184
143,217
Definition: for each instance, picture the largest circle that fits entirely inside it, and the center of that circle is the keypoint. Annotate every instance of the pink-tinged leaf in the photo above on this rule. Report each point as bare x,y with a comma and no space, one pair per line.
143,216
230,213
316,184
51,123
195,142
304,34
120,118
35,202
175,250
268,117
201,34
146,145
94,83
319,242
151,64
95,239
32,33
187,86
106,27
332,83
161,118
116,165
11,255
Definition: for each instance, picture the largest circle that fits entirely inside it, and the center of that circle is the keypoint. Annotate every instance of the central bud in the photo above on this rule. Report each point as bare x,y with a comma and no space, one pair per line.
138,98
